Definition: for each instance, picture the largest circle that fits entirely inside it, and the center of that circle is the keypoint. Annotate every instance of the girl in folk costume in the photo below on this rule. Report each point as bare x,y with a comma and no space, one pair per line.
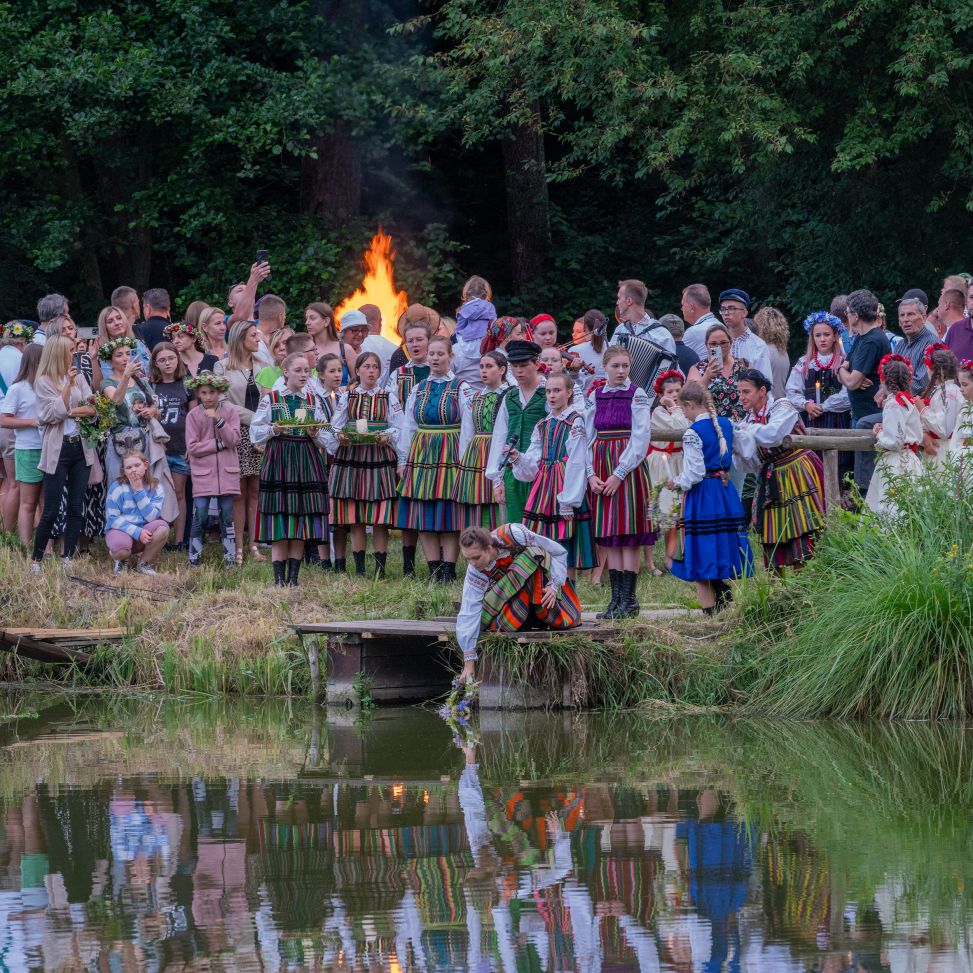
788,510
212,437
961,442
332,372
553,361
508,587
362,477
618,434
293,503
716,544
428,447
813,384
522,408
940,404
502,332
592,351
416,336
665,459
556,463
898,437
472,490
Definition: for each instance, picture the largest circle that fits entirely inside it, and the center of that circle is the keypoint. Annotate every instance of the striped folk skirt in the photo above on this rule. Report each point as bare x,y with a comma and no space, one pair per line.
541,516
788,510
621,520
472,490
426,491
513,600
293,500
362,486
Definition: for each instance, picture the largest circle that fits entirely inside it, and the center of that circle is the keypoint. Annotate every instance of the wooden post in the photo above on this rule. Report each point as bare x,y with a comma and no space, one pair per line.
832,483
317,693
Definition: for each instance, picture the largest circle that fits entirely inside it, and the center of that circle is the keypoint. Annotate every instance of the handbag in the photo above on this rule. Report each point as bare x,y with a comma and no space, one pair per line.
126,439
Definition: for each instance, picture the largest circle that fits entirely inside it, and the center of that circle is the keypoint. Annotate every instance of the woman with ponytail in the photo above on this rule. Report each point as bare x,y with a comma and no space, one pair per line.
716,545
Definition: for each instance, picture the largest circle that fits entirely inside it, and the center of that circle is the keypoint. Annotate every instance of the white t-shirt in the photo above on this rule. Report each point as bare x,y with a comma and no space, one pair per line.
21,403
9,365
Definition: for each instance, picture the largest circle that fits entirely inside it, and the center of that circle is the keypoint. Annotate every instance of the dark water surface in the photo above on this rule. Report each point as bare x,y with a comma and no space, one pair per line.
139,835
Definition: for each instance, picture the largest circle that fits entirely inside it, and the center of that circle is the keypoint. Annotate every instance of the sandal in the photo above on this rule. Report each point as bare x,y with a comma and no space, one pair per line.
239,559
255,553
657,572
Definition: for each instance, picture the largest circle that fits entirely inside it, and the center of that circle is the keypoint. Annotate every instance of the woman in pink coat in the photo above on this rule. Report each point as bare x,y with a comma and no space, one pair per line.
212,434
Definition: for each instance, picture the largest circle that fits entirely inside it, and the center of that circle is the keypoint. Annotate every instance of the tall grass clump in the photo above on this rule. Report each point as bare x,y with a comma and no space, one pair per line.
879,623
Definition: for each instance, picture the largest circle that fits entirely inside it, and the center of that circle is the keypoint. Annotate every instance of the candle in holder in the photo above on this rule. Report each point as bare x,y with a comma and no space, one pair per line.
361,427
300,415
817,392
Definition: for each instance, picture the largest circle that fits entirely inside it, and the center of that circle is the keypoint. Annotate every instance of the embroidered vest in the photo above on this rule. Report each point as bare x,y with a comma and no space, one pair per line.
523,419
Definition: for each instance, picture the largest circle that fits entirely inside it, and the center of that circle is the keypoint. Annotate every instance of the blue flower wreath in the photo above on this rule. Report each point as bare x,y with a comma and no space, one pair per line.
823,317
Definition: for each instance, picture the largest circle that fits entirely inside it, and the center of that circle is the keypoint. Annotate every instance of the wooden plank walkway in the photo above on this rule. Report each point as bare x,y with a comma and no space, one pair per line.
62,645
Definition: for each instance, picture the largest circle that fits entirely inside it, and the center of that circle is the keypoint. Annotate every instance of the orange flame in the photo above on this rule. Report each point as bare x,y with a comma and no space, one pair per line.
378,286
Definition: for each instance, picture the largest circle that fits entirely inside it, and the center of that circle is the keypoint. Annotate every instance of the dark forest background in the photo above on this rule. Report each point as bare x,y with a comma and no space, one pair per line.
796,149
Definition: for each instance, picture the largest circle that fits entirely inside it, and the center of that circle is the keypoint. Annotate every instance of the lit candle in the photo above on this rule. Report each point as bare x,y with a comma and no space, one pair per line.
817,392
361,426
300,415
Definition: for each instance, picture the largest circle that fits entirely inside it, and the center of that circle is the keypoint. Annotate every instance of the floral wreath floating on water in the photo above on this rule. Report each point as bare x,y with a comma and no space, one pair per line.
931,350
181,327
106,350
206,379
18,331
669,517
670,375
890,358
457,710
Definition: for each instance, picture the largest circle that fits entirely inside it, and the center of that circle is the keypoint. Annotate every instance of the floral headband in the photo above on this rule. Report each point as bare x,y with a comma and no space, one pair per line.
18,331
890,358
181,327
931,350
207,379
966,365
106,350
670,375
823,317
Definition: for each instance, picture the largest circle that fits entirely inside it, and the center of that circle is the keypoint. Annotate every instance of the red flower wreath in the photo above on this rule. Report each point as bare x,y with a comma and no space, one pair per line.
966,365
934,347
881,365
670,375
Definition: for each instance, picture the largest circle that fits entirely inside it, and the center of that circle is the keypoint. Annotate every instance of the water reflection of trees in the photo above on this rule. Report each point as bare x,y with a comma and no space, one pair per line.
636,844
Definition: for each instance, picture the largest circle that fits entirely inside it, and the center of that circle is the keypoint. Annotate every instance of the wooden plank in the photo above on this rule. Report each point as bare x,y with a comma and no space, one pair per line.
47,651
859,443
91,635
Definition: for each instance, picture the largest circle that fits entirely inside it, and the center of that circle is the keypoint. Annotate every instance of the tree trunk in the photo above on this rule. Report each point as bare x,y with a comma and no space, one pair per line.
528,218
332,181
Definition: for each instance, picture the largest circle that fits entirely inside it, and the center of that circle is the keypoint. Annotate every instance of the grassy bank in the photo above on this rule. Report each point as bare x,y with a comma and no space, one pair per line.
211,631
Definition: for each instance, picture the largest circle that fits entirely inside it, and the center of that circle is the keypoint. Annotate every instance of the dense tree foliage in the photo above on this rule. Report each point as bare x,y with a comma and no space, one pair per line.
795,149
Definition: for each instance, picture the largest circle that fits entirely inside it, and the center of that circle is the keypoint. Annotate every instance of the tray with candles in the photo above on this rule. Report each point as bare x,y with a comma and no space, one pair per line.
301,421
360,435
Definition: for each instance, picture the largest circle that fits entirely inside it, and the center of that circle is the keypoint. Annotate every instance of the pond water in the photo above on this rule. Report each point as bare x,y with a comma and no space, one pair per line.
147,835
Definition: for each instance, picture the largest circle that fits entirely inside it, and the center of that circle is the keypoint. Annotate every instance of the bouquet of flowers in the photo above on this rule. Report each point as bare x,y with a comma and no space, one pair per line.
458,709
95,428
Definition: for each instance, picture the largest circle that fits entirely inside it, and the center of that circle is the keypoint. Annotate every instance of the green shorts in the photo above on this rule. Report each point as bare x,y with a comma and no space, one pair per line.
25,463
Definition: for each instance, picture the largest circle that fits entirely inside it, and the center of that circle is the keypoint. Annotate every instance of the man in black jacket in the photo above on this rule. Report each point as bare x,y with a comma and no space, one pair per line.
155,310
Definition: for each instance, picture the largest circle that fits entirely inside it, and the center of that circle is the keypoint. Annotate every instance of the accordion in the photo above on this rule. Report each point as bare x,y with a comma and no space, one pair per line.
648,360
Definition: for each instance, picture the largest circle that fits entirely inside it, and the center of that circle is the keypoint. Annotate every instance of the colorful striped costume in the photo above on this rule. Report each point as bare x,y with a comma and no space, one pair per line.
293,500
407,378
507,597
621,520
543,512
430,452
362,482
472,490
521,420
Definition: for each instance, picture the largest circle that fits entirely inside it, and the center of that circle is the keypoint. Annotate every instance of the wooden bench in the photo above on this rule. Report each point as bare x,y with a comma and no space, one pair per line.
63,645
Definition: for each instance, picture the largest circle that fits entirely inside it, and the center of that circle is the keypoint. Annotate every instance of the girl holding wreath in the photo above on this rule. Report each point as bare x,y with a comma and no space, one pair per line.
898,437
666,459
292,507
212,437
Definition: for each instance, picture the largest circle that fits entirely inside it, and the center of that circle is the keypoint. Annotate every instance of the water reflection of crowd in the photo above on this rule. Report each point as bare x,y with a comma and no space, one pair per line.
300,875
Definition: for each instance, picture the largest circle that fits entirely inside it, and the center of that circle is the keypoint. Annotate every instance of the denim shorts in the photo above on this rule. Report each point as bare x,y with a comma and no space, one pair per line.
177,464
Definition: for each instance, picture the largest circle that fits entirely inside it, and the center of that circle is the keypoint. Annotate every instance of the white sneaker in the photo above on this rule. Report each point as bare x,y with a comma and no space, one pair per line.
35,567
117,567
146,569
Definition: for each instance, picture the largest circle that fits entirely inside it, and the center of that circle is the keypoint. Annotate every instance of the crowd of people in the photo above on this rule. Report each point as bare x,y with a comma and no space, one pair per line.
481,434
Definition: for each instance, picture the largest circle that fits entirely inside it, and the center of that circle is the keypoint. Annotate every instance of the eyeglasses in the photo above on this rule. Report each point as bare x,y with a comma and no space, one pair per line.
732,309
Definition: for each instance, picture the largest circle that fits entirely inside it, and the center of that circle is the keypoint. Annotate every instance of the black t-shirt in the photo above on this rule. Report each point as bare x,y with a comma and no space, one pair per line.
174,401
149,331
869,349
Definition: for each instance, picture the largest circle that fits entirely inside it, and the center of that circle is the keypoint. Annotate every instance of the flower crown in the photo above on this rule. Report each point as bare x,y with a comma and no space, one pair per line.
181,327
106,350
890,358
823,317
931,350
208,380
966,365
670,375
19,331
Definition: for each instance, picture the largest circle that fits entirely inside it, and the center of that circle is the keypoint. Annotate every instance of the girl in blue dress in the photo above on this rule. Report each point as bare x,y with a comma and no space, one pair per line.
716,545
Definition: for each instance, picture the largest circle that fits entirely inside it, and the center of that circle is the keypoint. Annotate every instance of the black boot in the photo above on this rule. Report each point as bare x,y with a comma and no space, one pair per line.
293,570
339,565
448,571
408,560
710,611
280,567
628,606
311,556
359,557
380,559
326,564
724,594
435,570
614,578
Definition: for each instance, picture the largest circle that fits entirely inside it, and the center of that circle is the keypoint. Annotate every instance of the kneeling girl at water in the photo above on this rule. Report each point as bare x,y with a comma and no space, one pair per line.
716,546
